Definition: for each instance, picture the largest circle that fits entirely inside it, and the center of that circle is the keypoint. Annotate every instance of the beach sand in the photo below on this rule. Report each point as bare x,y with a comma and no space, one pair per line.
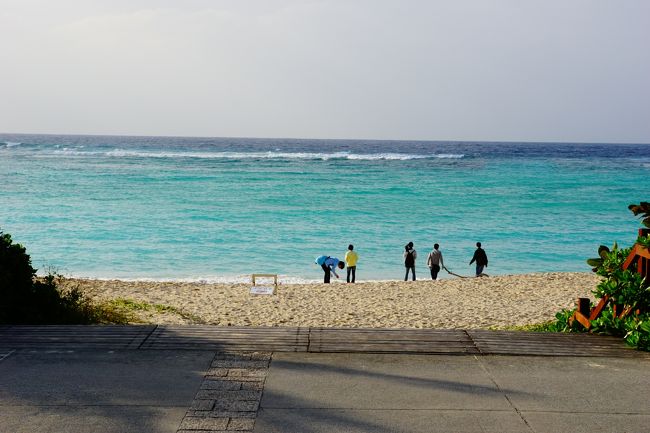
490,302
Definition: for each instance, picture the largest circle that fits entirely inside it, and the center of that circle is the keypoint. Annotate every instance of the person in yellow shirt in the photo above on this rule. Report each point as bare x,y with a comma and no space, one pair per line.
351,261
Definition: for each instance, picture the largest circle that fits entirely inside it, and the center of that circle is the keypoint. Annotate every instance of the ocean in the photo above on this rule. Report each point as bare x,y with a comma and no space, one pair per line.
219,209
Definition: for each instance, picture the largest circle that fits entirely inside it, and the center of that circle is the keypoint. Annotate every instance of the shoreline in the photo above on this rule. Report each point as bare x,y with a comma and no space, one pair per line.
492,302
286,280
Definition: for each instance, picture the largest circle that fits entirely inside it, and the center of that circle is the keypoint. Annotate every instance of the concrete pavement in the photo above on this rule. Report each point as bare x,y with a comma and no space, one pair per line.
98,390
85,379
415,393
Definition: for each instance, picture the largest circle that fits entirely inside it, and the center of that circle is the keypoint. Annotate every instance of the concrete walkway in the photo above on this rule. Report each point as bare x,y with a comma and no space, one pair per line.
206,379
416,393
98,390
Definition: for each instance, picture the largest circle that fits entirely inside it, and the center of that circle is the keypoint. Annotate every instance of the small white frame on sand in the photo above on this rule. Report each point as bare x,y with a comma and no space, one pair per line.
264,290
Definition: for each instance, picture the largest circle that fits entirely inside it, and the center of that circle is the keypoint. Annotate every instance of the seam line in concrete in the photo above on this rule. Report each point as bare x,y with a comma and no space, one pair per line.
6,355
396,409
505,395
144,340
309,339
478,349
600,412
438,409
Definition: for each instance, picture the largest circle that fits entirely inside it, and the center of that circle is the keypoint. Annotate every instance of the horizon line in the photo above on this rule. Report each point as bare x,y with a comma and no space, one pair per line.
327,139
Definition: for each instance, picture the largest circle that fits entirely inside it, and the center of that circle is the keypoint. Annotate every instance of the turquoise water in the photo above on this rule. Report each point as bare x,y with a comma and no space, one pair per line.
218,209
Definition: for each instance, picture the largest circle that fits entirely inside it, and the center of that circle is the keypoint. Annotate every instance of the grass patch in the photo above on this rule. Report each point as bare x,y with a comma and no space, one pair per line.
128,308
535,327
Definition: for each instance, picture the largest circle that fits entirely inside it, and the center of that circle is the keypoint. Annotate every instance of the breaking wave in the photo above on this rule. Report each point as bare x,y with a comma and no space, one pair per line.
120,153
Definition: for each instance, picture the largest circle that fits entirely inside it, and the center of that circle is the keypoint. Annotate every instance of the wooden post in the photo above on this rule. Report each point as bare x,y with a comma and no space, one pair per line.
640,266
582,312
583,305
599,307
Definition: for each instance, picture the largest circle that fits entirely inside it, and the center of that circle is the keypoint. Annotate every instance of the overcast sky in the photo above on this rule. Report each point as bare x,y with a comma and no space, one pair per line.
548,70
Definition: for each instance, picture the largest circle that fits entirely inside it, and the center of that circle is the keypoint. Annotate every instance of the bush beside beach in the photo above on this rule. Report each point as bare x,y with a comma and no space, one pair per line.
625,289
26,299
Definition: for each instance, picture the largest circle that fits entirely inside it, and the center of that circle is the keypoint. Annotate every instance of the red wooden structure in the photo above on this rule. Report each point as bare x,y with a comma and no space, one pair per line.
639,259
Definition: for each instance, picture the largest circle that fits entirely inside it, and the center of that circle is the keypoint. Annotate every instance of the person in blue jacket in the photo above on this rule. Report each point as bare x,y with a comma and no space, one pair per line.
329,264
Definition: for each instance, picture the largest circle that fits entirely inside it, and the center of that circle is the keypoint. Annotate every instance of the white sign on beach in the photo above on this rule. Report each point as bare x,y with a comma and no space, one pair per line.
262,290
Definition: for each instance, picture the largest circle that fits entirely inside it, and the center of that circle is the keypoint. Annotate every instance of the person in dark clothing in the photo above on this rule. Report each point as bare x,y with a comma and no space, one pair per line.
480,258
409,260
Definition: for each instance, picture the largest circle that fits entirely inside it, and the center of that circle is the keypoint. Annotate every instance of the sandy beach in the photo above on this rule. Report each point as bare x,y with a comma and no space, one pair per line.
490,302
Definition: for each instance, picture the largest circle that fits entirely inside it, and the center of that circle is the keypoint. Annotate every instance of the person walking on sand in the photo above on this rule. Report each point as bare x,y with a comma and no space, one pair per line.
329,264
480,258
409,260
434,261
351,258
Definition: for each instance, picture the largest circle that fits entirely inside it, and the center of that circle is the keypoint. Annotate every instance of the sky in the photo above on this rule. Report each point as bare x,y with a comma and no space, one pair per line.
500,70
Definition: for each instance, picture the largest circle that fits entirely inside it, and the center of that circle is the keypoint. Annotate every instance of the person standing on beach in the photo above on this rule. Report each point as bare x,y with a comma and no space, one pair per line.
409,260
329,264
434,261
480,258
351,259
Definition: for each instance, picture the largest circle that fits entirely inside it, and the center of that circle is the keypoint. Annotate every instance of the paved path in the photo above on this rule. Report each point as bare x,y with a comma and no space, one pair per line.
210,379
422,393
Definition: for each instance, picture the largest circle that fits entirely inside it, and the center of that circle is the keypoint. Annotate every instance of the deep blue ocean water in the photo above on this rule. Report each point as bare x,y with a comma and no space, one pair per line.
219,208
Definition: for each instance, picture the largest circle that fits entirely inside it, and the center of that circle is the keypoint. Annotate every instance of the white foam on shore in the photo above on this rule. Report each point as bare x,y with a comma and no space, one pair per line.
236,279
282,279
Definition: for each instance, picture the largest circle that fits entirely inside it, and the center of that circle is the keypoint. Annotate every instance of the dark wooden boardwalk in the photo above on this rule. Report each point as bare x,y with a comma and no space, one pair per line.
326,340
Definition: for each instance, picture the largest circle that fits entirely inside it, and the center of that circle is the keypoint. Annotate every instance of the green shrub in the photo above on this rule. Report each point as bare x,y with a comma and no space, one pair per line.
642,209
25,299
638,332
562,324
624,287
16,279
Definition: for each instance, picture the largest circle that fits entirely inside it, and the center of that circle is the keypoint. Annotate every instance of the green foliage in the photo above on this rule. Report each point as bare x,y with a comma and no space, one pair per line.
625,288
538,327
25,299
603,252
639,333
634,329
644,241
642,209
609,324
16,277
562,324
534,327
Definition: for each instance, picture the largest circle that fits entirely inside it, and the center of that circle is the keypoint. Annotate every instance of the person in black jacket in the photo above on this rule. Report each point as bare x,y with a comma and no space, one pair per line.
480,258
409,260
